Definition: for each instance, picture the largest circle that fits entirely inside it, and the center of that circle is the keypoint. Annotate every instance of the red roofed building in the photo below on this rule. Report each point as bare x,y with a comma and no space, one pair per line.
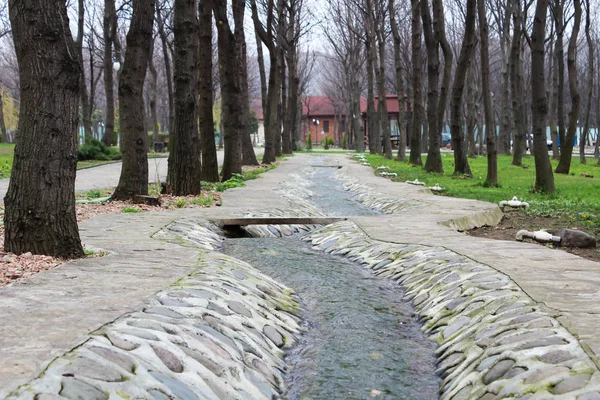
321,118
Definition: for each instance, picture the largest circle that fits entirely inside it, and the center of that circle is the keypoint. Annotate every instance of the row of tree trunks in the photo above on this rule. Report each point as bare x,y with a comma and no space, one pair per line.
134,147
40,202
184,142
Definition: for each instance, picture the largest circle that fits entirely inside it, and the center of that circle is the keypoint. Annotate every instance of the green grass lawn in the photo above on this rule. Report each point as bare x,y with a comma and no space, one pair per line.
577,196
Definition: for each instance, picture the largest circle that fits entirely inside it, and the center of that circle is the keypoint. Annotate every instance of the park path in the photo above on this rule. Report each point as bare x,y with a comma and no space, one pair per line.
54,311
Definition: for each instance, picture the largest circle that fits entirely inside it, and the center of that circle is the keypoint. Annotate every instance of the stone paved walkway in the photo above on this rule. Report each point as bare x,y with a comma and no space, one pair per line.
52,313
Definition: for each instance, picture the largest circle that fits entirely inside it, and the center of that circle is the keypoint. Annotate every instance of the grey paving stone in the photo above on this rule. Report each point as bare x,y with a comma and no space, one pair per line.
179,389
455,326
218,309
163,311
273,335
170,360
549,341
498,371
115,357
74,389
85,367
544,373
556,357
571,384
239,308
589,396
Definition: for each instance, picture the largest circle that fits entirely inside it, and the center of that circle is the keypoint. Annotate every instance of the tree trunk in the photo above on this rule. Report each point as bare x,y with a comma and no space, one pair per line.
263,76
399,82
231,90
461,164
560,61
566,153
40,202
168,72
248,156
134,172
3,137
553,101
210,165
472,148
440,30
286,138
418,112
490,137
109,86
584,136
434,158
544,179
183,178
85,99
372,114
516,75
153,92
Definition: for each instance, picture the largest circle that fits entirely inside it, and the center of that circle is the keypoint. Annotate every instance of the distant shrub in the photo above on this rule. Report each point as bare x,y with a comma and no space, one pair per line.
96,150
327,142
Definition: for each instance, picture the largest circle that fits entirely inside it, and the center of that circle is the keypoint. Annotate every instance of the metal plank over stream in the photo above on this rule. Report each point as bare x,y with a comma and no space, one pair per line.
280,221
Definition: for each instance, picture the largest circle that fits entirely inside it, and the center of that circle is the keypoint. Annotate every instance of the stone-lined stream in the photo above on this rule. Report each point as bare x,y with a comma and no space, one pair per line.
362,339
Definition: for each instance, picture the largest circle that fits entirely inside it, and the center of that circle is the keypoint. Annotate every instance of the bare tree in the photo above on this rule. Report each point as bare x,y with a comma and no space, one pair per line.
590,82
210,166
566,146
134,172
184,155
40,202
490,137
544,179
417,101
461,164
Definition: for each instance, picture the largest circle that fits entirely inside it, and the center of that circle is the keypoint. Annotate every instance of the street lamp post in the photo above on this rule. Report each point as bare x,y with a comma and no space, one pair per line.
316,123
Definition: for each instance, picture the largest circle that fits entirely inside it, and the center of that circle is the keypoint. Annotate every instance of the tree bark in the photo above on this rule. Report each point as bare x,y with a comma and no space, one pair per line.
434,158
379,29
590,72
461,164
472,148
85,98
399,82
566,151
231,90
153,94
183,177
560,62
109,85
544,179
516,75
553,100
210,165
418,112
3,136
490,137
40,202
168,70
372,114
134,172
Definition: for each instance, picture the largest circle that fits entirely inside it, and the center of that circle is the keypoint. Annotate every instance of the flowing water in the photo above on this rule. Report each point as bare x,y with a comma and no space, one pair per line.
362,340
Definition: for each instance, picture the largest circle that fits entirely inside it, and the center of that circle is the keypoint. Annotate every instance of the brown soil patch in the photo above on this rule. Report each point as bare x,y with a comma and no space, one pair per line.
512,222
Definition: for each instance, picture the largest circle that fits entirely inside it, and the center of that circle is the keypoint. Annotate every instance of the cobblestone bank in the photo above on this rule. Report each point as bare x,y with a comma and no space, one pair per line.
219,333
494,341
